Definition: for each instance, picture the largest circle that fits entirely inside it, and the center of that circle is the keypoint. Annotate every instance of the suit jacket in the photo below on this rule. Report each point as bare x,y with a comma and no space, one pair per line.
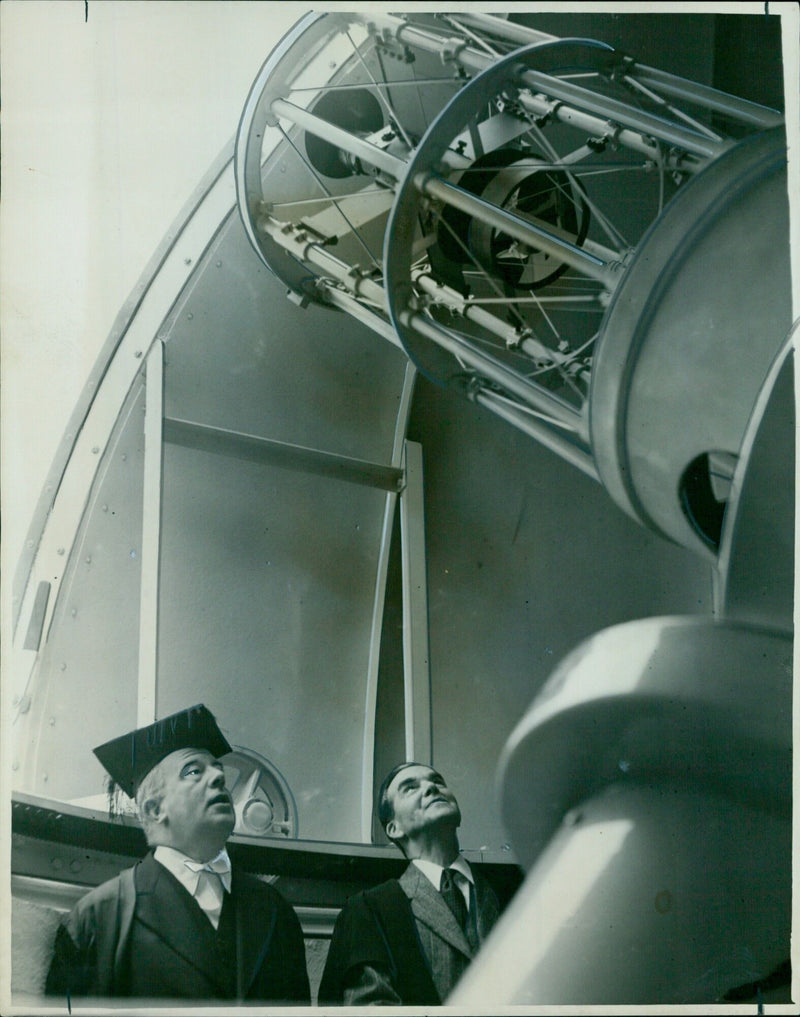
400,943
142,934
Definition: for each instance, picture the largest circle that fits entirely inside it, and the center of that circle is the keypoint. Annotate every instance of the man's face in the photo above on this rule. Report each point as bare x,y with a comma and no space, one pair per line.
420,798
196,810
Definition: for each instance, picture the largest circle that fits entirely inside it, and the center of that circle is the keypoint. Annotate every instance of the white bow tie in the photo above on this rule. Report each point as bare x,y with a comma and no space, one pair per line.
221,865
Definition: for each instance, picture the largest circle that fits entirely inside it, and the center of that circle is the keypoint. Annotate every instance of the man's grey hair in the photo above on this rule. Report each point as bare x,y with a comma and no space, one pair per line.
150,789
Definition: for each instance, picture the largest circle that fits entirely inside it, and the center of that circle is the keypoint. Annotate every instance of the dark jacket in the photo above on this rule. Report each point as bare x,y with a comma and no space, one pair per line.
142,934
405,934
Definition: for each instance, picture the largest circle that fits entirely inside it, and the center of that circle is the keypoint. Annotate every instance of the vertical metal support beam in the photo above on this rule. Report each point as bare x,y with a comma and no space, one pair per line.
373,664
416,654
151,532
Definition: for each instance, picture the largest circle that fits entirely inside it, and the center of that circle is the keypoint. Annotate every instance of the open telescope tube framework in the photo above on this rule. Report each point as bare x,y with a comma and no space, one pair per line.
479,190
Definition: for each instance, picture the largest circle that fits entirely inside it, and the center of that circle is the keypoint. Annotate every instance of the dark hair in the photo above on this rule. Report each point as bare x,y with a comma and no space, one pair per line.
385,809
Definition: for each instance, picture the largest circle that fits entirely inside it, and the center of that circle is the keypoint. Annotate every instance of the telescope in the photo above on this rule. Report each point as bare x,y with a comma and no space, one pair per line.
591,248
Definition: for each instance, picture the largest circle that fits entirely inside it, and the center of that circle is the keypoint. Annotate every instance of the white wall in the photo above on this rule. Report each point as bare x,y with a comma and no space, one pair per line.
112,113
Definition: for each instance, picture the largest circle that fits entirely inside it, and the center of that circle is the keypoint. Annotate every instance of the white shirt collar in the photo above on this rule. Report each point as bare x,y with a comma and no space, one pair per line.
175,862
433,871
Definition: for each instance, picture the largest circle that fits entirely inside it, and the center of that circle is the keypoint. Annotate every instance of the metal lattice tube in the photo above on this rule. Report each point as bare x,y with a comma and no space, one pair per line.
541,431
622,114
361,149
293,239
671,84
495,372
510,335
542,181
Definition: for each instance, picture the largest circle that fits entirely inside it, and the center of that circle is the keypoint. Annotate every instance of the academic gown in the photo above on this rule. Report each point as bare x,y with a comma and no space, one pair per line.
404,932
143,935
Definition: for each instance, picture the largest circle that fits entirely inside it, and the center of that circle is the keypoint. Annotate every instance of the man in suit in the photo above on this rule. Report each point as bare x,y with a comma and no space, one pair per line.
180,924
408,941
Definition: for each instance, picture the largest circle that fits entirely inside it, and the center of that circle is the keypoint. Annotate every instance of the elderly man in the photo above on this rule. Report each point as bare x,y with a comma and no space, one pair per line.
180,924
408,941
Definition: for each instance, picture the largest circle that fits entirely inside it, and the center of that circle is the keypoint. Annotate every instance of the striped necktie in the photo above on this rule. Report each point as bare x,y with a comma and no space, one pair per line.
453,897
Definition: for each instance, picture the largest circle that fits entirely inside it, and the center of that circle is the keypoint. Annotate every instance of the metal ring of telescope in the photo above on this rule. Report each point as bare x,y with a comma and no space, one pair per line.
329,171
313,30
529,359
429,163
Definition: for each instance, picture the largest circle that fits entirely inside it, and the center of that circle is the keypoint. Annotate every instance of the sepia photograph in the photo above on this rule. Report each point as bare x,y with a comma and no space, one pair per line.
398,499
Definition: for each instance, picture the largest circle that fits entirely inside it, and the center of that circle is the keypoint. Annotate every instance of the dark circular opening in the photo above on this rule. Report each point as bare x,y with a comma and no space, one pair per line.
704,510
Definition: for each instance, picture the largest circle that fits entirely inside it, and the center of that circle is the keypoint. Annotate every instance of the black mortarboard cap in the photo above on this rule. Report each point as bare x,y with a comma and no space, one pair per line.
131,757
